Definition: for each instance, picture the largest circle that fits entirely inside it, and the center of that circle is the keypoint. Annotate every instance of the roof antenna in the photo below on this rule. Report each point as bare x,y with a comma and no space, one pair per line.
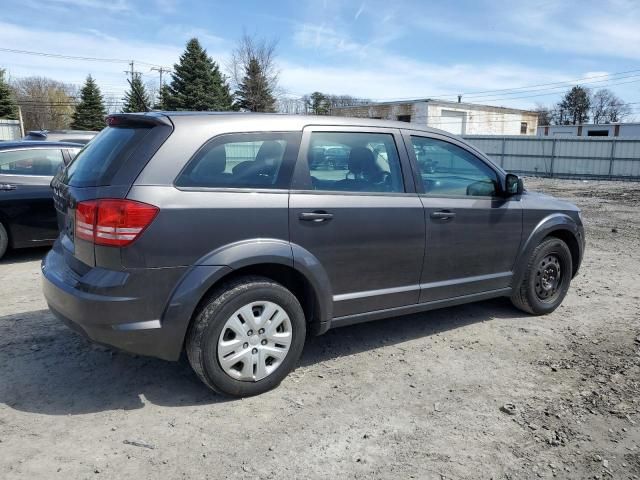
139,96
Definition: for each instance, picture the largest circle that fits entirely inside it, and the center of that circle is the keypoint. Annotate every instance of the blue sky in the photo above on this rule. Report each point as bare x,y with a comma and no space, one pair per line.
379,49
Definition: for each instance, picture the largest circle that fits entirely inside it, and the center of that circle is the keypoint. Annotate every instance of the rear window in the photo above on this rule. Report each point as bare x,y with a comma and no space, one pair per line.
97,163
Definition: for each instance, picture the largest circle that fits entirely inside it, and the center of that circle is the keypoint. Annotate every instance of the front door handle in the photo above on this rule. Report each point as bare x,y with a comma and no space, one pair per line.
318,216
443,215
7,186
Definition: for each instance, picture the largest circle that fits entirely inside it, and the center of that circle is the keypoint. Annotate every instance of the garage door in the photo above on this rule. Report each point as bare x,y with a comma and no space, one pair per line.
453,121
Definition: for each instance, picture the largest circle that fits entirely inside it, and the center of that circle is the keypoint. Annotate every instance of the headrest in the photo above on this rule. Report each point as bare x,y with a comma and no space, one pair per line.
270,149
360,160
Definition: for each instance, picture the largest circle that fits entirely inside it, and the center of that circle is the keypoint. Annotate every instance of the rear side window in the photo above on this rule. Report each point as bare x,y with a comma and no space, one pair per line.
354,162
99,160
37,161
246,160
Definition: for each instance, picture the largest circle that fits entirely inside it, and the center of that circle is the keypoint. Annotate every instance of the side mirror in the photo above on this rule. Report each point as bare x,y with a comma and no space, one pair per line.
513,185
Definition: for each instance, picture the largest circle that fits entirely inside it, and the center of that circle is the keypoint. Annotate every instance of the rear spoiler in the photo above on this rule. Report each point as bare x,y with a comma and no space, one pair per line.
142,119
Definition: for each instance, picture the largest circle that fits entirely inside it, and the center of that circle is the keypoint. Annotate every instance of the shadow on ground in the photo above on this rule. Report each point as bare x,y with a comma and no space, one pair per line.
23,255
48,369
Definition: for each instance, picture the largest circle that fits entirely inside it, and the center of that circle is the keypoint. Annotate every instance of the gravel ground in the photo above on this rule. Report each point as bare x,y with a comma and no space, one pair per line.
477,391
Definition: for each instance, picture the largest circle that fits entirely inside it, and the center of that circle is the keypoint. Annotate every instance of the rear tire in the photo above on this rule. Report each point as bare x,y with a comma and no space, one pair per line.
546,279
4,240
247,336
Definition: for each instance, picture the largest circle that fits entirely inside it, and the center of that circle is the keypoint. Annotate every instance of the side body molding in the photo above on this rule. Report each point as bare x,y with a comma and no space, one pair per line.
546,226
217,264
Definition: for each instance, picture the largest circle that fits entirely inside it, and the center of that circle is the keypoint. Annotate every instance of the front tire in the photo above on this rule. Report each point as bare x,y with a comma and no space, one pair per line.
246,337
546,280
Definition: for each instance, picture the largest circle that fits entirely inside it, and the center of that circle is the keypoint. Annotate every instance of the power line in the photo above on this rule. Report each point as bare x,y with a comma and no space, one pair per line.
552,93
579,80
75,57
518,90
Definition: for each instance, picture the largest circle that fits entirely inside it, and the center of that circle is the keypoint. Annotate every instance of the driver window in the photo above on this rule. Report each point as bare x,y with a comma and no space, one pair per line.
448,170
354,162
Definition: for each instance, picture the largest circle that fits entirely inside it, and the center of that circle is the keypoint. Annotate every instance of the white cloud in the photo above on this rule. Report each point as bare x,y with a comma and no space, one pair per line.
89,43
111,5
606,28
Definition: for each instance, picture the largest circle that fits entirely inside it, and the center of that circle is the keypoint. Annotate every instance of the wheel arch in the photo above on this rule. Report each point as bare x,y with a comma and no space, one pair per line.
273,259
558,225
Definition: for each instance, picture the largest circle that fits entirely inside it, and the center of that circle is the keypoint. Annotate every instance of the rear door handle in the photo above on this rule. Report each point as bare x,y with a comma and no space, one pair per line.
319,216
443,215
7,186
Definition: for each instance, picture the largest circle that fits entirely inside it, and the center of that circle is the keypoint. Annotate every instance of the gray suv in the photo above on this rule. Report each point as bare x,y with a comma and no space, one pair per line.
219,235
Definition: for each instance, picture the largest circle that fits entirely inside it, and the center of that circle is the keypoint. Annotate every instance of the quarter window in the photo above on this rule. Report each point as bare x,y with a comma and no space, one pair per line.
260,160
354,162
448,170
37,161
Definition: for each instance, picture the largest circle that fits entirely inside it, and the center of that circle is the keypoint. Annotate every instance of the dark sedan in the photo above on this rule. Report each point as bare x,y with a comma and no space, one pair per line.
27,215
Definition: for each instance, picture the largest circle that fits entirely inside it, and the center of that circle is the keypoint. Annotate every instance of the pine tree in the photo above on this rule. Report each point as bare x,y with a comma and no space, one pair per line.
197,83
163,98
136,99
254,93
90,112
8,107
574,107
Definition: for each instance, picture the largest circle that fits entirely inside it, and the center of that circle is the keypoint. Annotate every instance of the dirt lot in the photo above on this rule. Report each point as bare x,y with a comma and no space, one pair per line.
413,397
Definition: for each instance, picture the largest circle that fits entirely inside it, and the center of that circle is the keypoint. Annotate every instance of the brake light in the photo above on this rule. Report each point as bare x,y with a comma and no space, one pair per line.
113,222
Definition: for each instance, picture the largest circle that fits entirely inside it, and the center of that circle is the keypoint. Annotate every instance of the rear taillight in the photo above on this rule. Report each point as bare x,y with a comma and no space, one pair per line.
113,222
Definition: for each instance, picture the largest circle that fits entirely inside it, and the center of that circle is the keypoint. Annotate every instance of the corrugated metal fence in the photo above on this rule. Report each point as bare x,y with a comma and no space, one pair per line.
574,157
9,129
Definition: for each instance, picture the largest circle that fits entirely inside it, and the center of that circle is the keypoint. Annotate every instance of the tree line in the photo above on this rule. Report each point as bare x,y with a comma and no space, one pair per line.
198,83
580,105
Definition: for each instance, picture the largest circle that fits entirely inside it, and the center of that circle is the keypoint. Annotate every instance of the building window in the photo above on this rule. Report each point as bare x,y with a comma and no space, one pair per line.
523,128
404,118
598,133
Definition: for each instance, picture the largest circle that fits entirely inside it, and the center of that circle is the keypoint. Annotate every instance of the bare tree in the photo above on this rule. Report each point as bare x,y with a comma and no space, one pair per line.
153,89
45,103
545,115
345,101
606,107
261,50
295,106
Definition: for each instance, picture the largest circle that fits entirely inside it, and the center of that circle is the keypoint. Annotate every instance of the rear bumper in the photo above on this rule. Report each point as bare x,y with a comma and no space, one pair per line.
122,309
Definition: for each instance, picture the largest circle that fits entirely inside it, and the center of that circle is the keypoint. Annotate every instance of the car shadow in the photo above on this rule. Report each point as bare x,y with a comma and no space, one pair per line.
48,369
22,255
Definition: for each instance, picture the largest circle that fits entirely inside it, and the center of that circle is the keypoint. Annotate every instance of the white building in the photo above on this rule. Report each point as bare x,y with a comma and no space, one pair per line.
10,129
455,117
591,130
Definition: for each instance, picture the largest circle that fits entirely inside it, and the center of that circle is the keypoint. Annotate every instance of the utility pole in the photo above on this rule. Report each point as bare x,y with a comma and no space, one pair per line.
131,72
21,121
161,70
